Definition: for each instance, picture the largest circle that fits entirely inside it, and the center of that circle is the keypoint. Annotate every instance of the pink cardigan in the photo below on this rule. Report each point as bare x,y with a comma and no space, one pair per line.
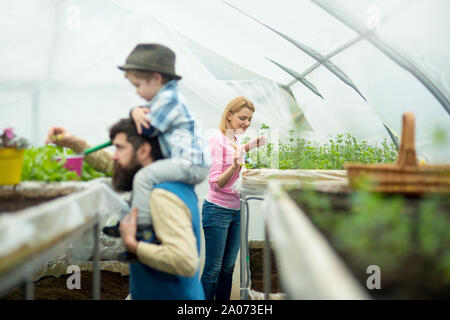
222,158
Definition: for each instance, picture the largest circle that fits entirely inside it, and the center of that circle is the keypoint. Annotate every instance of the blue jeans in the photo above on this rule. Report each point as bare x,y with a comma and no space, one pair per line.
221,228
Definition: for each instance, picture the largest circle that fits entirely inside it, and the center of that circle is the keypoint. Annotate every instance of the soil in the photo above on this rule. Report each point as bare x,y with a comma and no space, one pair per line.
113,287
256,250
416,278
52,288
18,202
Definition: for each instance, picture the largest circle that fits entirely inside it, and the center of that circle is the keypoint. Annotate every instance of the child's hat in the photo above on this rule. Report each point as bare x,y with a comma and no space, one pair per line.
151,57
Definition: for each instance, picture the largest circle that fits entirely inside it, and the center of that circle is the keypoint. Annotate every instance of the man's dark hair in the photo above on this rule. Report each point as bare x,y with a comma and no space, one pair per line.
128,127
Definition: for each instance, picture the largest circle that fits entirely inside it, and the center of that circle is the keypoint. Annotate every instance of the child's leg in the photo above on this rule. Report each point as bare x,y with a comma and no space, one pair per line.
142,184
194,174
160,171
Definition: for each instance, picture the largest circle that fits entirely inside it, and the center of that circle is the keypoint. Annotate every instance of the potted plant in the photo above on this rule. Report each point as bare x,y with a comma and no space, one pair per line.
11,157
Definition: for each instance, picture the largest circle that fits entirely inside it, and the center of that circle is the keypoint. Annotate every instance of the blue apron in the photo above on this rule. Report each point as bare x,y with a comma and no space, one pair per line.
147,283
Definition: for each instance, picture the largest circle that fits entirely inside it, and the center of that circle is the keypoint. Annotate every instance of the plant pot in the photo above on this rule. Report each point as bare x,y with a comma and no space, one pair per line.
11,160
74,163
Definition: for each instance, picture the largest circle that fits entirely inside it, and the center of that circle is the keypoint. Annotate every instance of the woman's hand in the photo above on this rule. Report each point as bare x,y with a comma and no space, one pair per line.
127,228
63,138
140,119
238,157
238,161
258,142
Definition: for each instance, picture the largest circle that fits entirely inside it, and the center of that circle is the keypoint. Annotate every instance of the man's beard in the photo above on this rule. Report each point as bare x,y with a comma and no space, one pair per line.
122,179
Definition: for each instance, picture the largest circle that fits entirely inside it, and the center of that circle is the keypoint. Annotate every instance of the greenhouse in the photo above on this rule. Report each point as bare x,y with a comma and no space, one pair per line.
334,184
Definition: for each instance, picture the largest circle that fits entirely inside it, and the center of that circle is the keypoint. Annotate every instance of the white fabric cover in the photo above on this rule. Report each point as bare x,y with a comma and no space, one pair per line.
59,58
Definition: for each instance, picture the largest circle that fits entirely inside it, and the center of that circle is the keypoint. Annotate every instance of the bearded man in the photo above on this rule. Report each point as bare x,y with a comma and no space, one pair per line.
168,257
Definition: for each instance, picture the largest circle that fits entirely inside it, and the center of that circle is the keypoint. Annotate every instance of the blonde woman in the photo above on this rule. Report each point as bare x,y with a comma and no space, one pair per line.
221,207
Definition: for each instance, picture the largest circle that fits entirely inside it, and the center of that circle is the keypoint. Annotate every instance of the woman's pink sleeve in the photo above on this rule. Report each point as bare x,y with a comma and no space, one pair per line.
216,147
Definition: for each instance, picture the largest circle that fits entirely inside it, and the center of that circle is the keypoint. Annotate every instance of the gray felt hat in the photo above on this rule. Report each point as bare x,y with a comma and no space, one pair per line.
152,57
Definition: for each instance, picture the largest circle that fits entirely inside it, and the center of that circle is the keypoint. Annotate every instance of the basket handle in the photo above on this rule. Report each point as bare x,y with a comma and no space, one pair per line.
407,155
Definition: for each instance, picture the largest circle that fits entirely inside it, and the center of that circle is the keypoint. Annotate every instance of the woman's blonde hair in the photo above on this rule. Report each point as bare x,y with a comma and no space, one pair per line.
235,105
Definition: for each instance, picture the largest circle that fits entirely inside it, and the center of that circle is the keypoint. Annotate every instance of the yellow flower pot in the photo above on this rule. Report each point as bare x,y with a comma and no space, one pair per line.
10,166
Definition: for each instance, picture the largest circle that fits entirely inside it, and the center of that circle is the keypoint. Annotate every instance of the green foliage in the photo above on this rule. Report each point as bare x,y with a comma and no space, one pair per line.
369,228
433,232
40,164
302,154
376,230
439,136
246,140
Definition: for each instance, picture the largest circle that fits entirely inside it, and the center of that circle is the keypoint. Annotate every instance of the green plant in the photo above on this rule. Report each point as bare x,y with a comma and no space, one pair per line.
302,154
434,238
376,230
39,164
407,237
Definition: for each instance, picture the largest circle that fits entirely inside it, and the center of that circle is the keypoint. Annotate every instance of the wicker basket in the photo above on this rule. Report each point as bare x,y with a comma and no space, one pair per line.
406,176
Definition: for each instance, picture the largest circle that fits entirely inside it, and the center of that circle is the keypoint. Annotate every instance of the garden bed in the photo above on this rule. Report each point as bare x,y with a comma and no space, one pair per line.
32,193
407,237
114,286
256,250
19,202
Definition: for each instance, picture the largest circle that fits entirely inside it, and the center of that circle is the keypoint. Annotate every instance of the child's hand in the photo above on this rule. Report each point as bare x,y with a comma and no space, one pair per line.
140,119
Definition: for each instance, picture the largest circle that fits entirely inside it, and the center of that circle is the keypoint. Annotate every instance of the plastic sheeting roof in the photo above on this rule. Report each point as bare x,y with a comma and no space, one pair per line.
377,59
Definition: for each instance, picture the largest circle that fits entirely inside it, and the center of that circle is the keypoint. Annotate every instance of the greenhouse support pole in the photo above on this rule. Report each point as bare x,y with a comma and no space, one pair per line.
36,116
96,268
338,50
400,59
28,285
243,288
267,267
245,254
